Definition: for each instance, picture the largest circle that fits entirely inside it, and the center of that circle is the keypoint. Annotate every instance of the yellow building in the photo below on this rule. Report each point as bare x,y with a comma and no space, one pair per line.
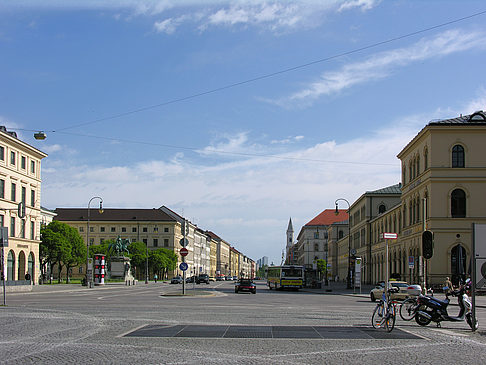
151,226
20,182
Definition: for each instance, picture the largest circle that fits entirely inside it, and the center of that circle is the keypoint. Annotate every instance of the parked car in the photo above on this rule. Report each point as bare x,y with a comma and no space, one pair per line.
405,290
245,285
220,278
190,279
229,278
202,278
176,280
235,277
212,278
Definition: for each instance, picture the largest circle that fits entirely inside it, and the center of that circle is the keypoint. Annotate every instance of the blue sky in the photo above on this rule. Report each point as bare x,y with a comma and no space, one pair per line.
112,85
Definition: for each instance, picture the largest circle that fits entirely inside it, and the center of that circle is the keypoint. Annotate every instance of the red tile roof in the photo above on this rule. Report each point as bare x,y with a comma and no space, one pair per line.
328,217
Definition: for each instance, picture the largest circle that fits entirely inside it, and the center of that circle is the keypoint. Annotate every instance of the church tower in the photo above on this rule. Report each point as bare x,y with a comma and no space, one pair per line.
290,234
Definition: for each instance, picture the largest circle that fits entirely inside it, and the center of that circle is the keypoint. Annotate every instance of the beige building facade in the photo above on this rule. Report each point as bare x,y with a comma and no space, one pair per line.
20,182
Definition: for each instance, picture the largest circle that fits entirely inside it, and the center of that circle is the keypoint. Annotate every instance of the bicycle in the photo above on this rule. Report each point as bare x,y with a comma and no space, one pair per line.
408,309
384,314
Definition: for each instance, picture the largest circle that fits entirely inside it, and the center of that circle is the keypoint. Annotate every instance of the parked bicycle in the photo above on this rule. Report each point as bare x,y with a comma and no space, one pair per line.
408,308
384,314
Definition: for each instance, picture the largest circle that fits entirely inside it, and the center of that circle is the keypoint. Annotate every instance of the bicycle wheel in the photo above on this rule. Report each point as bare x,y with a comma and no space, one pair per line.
390,318
377,317
407,309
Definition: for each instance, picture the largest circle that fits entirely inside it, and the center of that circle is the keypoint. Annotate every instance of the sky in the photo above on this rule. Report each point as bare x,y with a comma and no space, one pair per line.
236,114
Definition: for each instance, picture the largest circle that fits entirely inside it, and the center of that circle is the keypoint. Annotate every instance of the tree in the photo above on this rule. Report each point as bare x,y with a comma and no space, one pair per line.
55,247
322,268
77,249
138,256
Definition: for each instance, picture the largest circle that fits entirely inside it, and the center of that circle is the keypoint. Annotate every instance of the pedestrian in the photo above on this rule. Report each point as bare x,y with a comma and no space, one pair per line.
448,286
155,277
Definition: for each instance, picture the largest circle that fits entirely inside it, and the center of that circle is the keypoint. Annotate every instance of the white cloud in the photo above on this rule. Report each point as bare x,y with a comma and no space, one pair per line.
383,64
287,140
52,148
362,4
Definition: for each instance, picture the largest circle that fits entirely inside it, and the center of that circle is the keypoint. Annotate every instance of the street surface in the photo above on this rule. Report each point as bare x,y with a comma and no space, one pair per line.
147,324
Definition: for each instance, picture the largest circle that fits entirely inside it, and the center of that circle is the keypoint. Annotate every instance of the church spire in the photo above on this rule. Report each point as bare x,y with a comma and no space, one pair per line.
290,234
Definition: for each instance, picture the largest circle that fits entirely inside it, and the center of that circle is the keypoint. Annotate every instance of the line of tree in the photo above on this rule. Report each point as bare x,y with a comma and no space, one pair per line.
62,245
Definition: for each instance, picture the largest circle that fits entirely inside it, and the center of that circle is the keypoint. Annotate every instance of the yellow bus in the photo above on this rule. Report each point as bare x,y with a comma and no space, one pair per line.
287,276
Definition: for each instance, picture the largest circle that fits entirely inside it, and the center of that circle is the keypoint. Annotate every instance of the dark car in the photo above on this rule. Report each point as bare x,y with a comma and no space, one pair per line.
245,285
202,278
191,279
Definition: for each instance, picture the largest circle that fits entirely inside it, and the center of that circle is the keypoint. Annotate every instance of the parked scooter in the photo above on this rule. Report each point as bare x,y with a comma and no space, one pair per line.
432,309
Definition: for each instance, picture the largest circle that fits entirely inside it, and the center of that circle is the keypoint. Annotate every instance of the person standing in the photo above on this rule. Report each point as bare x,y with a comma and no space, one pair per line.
448,285
155,277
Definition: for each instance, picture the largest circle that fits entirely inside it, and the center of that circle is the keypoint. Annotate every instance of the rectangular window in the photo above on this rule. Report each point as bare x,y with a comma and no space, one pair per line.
32,167
134,229
144,229
144,240
91,229
12,158
102,240
81,229
2,220
124,229
23,194
32,198
12,227
156,229
316,235
22,228
134,240
113,229
166,242
102,229
91,241
32,230
13,192
156,242
23,162
2,153
2,188
166,229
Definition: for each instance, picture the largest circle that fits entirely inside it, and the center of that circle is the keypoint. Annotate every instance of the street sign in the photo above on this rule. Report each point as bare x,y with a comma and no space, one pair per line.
183,251
389,236
411,262
184,242
183,266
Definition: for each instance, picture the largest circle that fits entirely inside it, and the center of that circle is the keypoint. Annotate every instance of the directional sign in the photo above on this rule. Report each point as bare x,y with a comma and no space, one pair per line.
411,262
389,236
184,242
183,266
183,251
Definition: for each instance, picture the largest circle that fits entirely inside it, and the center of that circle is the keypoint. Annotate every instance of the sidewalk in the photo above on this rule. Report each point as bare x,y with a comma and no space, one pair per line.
340,289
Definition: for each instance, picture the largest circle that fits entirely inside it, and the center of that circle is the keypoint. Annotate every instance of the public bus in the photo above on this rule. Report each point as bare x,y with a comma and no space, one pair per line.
287,276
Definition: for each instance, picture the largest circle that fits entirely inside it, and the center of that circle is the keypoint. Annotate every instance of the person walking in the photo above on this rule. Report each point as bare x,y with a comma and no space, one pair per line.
155,277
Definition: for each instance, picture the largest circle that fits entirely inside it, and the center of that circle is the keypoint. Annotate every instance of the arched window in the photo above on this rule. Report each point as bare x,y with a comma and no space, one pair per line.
10,265
381,209
426,159
418,165
458,263
21,266
457,156
458,204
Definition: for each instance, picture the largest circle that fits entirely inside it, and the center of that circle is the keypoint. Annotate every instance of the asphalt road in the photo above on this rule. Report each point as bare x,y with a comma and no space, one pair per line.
148,324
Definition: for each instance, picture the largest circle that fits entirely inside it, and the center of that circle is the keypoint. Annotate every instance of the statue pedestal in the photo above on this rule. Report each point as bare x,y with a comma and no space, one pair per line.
118,267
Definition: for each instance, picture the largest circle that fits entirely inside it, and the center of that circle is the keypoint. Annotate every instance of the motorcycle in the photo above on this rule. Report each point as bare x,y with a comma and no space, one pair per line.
430,308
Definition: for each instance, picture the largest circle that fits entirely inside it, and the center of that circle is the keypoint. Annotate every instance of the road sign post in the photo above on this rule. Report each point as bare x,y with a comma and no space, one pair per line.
386,237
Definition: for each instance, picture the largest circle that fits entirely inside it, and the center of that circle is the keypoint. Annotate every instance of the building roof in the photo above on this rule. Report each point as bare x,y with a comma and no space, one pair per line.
214,236
393,189
328,217
472,119
133,215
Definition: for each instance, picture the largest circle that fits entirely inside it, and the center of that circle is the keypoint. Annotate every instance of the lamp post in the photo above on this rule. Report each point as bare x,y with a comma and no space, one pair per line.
348,281
100,210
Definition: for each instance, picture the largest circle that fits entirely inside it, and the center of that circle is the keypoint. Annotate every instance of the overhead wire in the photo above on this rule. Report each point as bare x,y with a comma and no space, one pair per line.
269,75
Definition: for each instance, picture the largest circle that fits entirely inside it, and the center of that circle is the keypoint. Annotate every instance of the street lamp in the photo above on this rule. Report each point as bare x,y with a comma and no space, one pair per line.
100,210
348,281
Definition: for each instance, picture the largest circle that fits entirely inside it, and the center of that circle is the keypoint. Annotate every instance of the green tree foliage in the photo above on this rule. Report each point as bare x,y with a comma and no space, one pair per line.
322,267
161,261
61,244
138,257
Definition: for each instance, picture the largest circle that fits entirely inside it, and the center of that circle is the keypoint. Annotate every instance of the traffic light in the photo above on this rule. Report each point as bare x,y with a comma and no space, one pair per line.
427,244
